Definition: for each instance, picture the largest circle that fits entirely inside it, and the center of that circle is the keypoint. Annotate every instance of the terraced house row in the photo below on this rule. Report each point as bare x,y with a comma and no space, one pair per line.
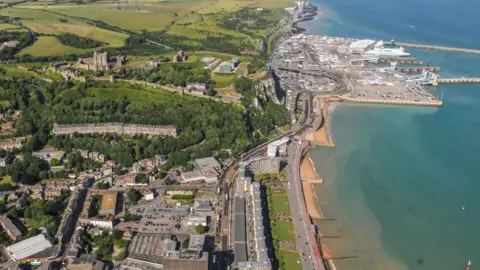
119,128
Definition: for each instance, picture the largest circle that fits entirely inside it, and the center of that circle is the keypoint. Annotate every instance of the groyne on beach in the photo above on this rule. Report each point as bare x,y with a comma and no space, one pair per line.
316,135
307,173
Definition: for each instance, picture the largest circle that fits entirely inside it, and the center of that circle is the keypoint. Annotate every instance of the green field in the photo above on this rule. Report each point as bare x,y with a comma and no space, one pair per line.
7,180
289,260
113,39
45,22
10,27
30,14
134,94
226,5
225,25
12,71
223,80
130,17
242,69
50,46
279,203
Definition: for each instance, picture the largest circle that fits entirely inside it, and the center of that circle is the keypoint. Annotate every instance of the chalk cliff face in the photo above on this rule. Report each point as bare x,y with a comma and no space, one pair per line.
265,90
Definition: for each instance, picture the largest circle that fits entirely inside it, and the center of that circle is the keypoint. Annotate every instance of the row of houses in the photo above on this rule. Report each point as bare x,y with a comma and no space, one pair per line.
118,128
249,225
99,157
149,164
14,143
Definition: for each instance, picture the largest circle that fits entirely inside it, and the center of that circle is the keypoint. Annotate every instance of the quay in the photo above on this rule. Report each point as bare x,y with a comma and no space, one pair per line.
433,47
457,80
417,69
432,103
400,60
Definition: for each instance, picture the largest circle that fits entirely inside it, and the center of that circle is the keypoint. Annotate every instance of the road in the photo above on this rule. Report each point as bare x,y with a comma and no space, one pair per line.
223,230
298,211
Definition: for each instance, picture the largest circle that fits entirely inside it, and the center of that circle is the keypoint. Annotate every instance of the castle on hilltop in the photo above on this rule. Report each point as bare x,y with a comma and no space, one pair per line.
100,61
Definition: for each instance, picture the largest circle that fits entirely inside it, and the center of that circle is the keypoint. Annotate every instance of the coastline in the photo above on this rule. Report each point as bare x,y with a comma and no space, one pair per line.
309,178
349,191
321,137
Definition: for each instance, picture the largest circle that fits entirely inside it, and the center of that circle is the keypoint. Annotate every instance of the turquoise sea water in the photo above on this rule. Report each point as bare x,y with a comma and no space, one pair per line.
399,176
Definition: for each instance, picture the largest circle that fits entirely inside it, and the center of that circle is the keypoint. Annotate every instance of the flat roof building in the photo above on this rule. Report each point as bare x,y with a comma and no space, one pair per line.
239,230
193,177
196,242
176,260
274,146
32,249
208,162
150,247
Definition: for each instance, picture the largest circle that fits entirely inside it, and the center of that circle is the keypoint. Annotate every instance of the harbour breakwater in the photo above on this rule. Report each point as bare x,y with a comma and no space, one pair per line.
432,103
432,47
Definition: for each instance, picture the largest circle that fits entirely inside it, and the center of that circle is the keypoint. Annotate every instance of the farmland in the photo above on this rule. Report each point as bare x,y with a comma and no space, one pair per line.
151,17
112,38
45,22
224,25
10,27
50,46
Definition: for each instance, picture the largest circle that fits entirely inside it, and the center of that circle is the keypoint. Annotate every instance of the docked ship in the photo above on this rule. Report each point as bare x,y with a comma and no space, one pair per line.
380,50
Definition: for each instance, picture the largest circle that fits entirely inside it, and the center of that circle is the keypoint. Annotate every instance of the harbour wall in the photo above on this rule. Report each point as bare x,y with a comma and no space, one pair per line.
433,47
433,103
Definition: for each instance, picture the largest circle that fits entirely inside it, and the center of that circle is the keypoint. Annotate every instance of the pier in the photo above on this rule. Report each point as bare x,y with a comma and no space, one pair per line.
432,103
457,80
417,69
400,60
433,47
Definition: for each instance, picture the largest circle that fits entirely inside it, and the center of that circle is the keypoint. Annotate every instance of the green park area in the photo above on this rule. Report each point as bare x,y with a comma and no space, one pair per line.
290,260
283,231
280,203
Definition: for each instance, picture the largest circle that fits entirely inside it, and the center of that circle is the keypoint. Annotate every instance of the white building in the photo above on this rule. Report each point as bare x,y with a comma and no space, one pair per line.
275,145
100,223
196,220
